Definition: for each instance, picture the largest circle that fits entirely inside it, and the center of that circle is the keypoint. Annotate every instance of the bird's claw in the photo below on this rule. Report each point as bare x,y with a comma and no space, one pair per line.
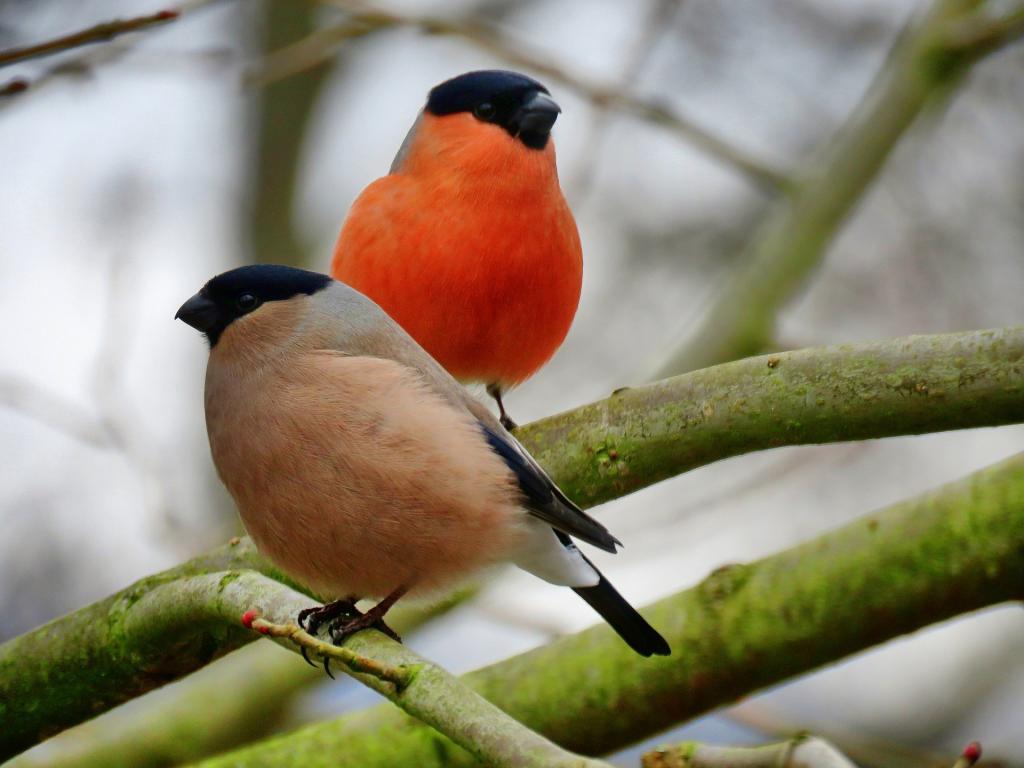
311,619
339,631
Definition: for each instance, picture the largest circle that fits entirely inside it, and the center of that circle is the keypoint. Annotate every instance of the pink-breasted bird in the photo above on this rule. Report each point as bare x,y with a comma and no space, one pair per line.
362,468
468,242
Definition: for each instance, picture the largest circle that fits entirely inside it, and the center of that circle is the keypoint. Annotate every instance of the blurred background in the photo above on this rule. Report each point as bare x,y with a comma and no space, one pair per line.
134,171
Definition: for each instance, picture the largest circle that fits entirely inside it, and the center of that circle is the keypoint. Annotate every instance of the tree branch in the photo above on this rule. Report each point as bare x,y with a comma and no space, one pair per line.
791,243
84,62
597,452
365,19
948,552
281,118
798,752
85,663
400,677
245,696
904,386
95,34
197,616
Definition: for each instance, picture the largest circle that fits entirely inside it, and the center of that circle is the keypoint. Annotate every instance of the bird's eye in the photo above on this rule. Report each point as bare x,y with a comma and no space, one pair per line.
247,302
484,111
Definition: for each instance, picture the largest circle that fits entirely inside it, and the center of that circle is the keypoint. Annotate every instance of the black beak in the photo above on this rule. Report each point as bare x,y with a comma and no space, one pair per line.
199,312
535,118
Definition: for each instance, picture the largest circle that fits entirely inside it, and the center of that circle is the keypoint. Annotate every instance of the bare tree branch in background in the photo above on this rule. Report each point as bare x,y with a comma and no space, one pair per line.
798,752
321,45
658,23
283,113
863,749
86,63
95,34
923,68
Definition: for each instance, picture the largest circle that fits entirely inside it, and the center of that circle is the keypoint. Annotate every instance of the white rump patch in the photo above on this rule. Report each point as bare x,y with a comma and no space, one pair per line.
547,558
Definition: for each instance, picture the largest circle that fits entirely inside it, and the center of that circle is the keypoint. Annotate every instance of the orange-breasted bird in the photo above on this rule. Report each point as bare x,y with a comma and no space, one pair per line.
469,243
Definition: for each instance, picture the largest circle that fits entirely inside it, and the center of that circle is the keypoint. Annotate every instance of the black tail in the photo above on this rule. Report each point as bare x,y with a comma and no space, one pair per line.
631,626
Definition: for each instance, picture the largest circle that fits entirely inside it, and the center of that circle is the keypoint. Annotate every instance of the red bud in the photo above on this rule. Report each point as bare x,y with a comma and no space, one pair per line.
972,752
17,85
248,618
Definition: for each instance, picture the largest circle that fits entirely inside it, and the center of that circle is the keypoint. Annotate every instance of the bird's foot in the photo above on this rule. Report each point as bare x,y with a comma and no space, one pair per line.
349,625
495,391
311,619
341,630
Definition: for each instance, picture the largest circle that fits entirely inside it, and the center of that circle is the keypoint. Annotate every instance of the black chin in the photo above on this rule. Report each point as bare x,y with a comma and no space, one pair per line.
534,139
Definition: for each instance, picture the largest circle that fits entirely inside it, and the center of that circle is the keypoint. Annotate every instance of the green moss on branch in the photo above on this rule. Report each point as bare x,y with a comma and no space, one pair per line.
903,386
198,617
80,665
597,452
241,698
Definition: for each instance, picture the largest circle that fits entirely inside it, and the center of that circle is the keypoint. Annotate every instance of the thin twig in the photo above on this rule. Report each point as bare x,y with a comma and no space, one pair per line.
979,35
970,755
658,23
399,676
85,62
313,50
798,752
95,34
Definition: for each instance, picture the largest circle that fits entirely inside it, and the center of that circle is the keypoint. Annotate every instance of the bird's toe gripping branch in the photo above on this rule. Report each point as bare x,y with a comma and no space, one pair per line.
311,619
399,676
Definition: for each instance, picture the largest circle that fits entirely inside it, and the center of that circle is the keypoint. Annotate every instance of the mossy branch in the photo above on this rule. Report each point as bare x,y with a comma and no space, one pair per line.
243,697
597,452
82,664
926,63
199,616
904,386
954,550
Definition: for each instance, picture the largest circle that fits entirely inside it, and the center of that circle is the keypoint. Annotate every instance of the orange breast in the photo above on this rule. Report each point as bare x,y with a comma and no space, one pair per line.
471,248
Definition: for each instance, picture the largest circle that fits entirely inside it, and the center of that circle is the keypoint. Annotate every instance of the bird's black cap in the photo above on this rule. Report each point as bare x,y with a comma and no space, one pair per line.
517,103
240,291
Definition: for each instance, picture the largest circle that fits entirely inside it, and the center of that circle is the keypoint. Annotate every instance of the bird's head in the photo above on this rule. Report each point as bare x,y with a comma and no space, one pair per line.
481,121
261,295
517,104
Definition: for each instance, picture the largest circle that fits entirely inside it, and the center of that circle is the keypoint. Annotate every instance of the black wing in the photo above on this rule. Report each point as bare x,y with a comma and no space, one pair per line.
543,497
